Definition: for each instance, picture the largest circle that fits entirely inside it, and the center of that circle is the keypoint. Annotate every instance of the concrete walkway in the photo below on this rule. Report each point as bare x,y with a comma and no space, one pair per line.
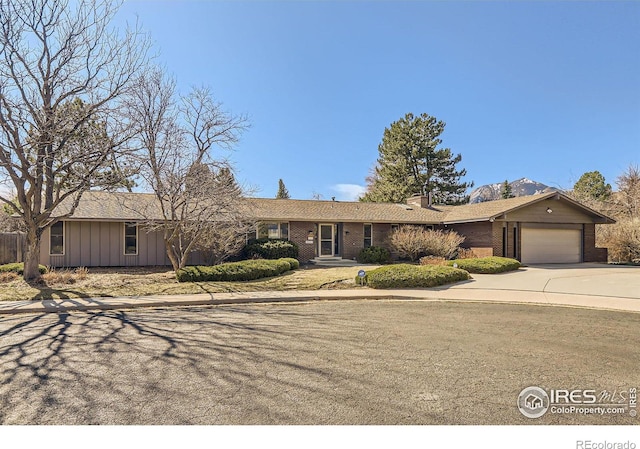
585,285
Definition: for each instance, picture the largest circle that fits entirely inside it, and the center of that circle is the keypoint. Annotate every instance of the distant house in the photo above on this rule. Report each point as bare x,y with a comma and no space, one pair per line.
106,228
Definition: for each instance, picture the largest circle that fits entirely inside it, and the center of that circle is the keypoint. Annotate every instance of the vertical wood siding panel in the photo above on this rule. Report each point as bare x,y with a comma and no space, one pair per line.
44,249
105,255
96,245
72,243
143,247
85,244
116,244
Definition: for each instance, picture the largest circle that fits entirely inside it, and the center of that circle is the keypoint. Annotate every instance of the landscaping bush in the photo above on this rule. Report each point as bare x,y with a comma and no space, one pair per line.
270,249
433,260
247,270
293,263
8,276
622,239
374,254
413,276
486,265
413,242
466,253
18,268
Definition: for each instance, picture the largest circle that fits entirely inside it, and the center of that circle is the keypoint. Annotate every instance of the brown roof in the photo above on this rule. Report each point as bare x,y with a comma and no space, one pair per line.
118,206
313,210
114,206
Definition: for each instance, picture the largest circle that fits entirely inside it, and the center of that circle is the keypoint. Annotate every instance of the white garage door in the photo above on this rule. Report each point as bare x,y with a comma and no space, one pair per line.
551,245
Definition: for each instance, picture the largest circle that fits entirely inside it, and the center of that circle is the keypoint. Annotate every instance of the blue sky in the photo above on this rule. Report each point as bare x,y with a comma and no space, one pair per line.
544,90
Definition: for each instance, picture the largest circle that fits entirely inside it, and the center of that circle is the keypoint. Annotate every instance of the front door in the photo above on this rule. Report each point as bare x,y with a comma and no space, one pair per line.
326,240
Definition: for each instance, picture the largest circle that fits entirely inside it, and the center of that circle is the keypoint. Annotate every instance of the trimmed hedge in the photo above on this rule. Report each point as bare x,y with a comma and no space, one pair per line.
374,254
18,268
486,265
413,276
247,270
270,249
294,263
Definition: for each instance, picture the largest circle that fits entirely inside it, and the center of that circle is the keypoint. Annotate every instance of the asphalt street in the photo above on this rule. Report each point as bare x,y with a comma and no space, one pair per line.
323,362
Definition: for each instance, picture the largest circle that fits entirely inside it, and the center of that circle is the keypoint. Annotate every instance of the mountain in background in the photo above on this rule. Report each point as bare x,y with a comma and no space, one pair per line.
521,187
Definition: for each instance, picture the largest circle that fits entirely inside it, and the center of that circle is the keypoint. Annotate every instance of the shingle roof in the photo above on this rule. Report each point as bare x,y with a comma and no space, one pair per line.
118,206
114,206
312,210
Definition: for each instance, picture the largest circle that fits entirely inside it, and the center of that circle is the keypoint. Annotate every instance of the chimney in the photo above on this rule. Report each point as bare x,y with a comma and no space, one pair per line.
423,201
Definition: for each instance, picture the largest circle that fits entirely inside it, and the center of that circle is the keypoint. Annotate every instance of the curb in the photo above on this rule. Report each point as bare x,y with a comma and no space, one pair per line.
204,299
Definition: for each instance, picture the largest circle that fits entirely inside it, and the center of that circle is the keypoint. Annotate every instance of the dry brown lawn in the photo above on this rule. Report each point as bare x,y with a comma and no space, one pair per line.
136,281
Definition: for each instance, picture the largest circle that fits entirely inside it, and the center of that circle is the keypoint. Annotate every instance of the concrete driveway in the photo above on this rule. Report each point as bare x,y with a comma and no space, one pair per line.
575,279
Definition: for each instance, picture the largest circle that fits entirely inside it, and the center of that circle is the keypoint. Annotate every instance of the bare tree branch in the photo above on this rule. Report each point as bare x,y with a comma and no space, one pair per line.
54,54
200,203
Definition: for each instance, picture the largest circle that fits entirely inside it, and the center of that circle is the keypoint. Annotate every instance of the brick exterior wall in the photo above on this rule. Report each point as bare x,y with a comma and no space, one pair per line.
352,238
298,232
353,242
591,253
496,238
484,238
477,237
510,247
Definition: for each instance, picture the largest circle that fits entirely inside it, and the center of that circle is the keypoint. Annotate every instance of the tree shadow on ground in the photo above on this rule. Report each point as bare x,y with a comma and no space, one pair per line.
167,367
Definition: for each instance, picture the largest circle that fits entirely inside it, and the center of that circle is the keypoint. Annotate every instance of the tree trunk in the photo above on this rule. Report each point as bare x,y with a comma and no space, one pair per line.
170,254
32,256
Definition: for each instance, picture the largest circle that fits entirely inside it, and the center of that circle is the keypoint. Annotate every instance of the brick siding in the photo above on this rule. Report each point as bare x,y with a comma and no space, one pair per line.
591,253
298,233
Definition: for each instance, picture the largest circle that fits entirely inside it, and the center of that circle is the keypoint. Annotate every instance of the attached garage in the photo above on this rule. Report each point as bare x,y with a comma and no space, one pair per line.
550,245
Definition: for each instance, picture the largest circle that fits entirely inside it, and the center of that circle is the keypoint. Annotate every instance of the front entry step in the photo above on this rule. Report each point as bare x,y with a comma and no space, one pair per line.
333,262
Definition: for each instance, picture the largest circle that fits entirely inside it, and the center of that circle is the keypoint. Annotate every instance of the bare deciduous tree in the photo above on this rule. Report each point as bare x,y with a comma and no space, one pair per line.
628,197
413,242
62,71
198,202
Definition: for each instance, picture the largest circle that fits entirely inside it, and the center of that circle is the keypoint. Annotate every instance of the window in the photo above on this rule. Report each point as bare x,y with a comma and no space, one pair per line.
515,242
504,242
56,239
368,234
273,231
130,239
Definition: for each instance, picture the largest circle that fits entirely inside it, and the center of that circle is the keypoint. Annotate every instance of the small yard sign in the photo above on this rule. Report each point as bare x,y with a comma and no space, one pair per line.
361,275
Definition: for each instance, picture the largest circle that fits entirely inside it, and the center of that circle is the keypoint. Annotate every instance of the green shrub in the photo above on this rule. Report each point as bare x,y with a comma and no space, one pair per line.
18,268
294,263
413,276
374,254
486,265
247,270
270,249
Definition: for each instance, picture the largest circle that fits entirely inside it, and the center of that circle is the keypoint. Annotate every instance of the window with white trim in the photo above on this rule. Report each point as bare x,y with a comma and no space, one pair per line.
56,239
130,239
273,230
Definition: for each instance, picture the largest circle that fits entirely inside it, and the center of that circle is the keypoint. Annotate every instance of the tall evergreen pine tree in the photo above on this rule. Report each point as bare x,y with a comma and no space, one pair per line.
411,163
283,193
507,191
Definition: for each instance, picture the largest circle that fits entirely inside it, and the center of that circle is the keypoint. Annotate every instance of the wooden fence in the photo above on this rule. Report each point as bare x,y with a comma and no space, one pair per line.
11,247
